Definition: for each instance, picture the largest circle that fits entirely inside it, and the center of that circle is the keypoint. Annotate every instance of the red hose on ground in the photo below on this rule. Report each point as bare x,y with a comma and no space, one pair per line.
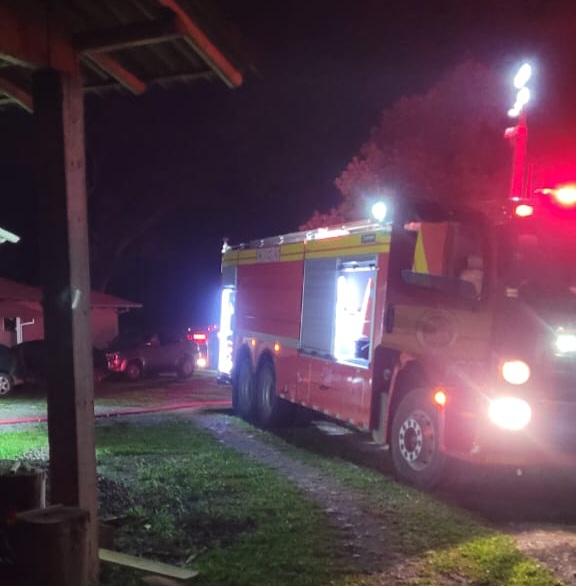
119,412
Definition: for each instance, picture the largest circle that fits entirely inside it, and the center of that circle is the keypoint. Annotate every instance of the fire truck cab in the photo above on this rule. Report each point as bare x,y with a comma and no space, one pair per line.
447,333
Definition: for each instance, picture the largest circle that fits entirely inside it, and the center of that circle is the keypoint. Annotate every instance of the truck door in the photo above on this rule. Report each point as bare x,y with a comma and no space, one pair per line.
437,290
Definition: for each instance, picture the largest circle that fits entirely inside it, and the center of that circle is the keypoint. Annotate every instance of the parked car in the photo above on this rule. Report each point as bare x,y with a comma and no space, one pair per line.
33,363
137,355
9,375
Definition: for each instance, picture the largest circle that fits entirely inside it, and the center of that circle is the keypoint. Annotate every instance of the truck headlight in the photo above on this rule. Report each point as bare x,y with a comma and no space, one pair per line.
515,372
565,343
510,413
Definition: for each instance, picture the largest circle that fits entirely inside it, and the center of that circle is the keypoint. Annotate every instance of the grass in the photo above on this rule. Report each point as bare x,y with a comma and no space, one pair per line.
14,444
253,522
451,541
240,523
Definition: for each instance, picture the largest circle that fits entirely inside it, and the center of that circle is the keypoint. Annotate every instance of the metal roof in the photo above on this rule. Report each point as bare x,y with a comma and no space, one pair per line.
11,290
104,300
25,311
18,292
127,44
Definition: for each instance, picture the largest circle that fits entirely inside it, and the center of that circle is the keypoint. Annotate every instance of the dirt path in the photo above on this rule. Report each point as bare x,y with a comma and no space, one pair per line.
369,540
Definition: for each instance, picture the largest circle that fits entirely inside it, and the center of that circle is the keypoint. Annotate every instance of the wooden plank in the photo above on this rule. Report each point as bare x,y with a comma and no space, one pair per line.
231,76
138,563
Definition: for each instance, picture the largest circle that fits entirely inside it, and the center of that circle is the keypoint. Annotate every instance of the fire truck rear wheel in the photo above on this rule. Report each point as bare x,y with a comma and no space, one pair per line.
243,396
273,411
414,442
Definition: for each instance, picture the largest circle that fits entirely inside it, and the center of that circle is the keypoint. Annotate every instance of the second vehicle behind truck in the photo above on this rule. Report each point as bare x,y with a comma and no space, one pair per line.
137,355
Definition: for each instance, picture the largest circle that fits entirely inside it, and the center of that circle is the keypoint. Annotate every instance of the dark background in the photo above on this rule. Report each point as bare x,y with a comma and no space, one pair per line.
258,160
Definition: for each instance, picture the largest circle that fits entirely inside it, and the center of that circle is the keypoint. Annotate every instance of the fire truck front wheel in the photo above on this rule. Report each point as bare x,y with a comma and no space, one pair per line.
414,443
243,396
273,411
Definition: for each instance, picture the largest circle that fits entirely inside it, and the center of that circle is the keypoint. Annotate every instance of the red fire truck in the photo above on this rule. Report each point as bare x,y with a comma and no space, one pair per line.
447,333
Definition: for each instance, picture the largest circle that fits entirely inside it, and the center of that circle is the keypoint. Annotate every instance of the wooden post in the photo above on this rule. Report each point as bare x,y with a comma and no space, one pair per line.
19,492
50,546
59,113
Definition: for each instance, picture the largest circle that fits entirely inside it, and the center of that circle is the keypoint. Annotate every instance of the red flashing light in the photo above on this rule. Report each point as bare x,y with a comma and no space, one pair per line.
199,337
524,210
566,196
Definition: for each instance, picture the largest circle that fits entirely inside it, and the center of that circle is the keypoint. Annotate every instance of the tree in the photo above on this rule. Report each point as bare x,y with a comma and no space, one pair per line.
446,145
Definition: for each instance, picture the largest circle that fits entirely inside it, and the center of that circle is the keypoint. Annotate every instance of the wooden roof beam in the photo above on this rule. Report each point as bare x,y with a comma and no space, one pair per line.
30,36
124,77
177,77
229,74
128,35
16,94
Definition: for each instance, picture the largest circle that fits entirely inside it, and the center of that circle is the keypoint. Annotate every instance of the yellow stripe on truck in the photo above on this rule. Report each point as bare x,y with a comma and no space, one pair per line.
420,261
330,247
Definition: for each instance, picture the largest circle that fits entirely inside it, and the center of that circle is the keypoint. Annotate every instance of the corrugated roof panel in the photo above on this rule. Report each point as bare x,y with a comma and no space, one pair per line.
174,59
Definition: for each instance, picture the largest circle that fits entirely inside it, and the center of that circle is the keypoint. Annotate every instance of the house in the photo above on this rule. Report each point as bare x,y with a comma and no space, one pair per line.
22,319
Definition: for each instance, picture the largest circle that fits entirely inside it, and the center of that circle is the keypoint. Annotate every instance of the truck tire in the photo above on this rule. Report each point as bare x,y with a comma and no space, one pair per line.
273,411
243,395
414,443
6,385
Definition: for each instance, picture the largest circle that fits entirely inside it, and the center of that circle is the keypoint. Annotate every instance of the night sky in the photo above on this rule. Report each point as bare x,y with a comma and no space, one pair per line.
258,160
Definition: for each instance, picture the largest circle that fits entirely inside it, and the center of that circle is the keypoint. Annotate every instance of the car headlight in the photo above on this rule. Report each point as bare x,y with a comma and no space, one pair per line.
201,362
515,372
510,413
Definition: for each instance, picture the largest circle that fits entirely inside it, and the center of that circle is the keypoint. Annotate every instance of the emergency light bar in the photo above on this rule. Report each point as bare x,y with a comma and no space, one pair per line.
564,195
309,235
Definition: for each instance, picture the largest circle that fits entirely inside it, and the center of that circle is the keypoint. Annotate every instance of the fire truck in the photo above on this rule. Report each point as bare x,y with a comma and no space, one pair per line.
447,332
